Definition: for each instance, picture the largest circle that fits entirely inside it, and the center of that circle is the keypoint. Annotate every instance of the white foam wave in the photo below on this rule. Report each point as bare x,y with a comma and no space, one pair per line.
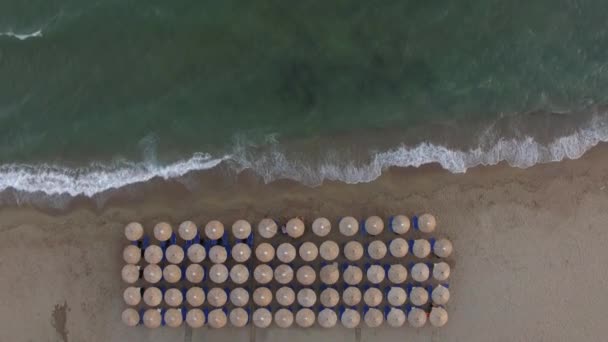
521,153
91,180
22,36
274,164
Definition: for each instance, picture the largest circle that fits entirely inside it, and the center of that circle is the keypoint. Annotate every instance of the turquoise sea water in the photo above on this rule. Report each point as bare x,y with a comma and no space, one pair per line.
95,95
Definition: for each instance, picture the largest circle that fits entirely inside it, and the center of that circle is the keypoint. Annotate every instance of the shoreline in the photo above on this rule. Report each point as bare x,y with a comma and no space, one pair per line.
223,182
527,265
313,162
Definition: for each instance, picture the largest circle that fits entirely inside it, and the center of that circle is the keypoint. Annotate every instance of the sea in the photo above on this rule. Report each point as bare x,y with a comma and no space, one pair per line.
99,95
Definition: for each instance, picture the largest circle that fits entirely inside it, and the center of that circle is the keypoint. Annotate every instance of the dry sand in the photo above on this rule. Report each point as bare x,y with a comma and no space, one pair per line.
531,248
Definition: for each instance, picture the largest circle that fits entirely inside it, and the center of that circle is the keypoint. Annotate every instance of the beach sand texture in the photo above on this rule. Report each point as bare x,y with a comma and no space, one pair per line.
529,262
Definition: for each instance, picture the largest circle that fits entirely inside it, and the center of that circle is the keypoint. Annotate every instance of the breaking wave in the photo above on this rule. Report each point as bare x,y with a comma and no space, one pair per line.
274,163
22,36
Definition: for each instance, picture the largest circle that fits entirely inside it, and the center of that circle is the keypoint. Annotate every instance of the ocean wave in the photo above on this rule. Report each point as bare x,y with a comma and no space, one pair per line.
94,179
22,36
274,163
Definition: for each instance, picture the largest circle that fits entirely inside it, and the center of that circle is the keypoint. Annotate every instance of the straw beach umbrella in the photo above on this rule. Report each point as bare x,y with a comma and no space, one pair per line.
376,250
163,231
283,318
131,254
214,229
441,271
351,296
348,226
306,275
308,251
400,224
374,225
187,230
267,228
134,231
440,295
217,297
130,273
285,296
239,296
321,226
327,318
438,316
172,274
152,318
353,250
372,296
329,297
283,274
218,254
153,274
130,317
174,254
416,317
241,229
262,296
330,274
350,318
195,296
352,275
329,250
262,318
195,318
286,252
218,273
397,274
239,274
399,247
307,297
373,318
195,273
153,296
173,318
153,254
239,317
217,318
419,296
305,318
443,248
295,228
132,295
427,223
420,272
396,296
395,318
422,248
262,274
241,252
197,253
173,297
375,274
264,252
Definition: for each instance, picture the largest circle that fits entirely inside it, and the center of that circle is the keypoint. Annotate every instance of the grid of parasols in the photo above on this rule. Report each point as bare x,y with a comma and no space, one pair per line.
288,273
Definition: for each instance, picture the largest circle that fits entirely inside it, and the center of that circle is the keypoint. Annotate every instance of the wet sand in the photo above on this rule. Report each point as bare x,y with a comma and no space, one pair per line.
529,260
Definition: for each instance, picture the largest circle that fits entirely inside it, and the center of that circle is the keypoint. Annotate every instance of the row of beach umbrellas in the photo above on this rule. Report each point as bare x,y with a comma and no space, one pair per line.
285,318
287,252
287,296
295,228
285,274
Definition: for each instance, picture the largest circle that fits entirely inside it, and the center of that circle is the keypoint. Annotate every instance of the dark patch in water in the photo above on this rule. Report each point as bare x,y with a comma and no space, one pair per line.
59,320
298,82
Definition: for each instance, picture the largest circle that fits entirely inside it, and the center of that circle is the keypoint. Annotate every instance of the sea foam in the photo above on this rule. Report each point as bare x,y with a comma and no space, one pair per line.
273,164
22,36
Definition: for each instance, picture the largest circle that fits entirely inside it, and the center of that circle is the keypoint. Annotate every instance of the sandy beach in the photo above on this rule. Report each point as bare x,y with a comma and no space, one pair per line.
529,261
